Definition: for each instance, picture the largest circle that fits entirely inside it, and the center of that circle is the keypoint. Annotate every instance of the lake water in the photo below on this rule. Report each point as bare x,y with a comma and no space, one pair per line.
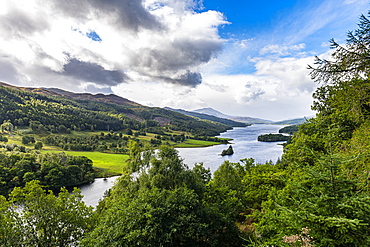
94,192
244,143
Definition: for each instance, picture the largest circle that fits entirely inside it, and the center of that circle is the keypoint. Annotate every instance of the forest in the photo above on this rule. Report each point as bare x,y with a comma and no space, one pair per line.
316,195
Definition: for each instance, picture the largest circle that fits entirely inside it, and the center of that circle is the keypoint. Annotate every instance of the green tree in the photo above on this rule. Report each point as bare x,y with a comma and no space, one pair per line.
3,139
7,126
28,139
324,201
228,151
349,61
38,145
161,202
45,219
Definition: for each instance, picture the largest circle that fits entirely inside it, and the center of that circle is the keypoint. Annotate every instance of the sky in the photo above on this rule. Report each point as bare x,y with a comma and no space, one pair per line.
243,58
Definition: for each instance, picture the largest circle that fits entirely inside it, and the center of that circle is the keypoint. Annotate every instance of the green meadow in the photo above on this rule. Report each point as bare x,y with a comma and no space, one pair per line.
106,164
112,164
190,143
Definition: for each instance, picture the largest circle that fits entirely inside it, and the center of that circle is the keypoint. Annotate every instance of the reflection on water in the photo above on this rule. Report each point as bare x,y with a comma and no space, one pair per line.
245,145
94,192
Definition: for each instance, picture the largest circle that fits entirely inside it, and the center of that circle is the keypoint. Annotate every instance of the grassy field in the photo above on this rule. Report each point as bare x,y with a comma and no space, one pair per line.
190,143
112,163
106,163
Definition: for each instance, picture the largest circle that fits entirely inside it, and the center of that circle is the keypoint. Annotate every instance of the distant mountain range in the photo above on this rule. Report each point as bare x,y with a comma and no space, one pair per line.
210,117
249,120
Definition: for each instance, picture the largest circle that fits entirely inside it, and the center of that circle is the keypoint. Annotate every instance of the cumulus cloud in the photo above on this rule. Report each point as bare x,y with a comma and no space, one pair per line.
127,14
104,42
291,72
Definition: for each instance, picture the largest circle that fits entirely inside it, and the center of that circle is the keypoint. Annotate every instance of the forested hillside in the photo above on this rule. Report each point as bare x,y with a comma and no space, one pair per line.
50,110
317,195
325,199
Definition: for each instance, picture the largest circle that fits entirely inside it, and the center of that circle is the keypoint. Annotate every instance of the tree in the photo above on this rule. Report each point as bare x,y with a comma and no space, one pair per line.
350,61
161,202
38,145
7,126
3,139
324,201
228,151
28,139
45,219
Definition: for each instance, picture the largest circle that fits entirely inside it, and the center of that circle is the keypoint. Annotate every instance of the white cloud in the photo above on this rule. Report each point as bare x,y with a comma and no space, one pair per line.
279,89
160,40
282,50
291,72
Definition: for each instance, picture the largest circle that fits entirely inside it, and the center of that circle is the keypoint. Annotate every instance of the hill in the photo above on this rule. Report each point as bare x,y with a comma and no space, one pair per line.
52,108
295,121
213,118
110,98
212,112
246,120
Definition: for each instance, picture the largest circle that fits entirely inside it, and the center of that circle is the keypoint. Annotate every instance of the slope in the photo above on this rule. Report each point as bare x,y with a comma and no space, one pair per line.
52,108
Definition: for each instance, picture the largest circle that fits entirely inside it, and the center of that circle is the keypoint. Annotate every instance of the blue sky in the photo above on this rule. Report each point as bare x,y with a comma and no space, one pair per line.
249,17
243,58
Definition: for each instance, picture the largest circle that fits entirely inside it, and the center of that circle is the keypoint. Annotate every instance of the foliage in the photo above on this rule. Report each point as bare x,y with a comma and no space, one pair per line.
7,126
228,151
26,139
38,145
259,180
111,142
34,217
3,138
273,138
350,61
160,202
322,200
17,167
290,129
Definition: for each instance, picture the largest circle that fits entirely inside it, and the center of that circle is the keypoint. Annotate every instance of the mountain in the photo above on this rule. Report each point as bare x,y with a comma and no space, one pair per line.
295,121
110,98
212,112
51,108
251,120
213,118
246,120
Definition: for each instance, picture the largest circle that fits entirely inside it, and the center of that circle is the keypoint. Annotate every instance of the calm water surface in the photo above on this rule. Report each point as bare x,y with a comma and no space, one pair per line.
244,143
94,192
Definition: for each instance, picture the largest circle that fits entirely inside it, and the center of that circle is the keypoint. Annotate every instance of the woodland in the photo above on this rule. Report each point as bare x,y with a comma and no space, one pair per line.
316,195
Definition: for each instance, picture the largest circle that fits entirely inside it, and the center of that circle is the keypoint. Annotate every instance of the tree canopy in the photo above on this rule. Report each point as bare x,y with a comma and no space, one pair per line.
34,217
161,202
